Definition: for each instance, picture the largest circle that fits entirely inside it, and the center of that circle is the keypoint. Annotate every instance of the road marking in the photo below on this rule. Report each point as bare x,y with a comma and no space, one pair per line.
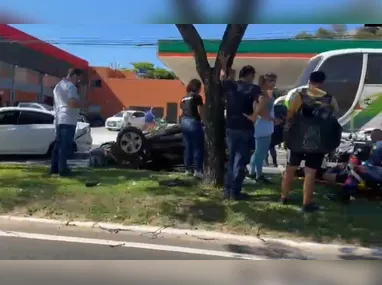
146,246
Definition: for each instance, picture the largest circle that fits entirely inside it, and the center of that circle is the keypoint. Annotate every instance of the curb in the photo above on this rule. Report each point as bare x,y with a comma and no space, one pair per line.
207,235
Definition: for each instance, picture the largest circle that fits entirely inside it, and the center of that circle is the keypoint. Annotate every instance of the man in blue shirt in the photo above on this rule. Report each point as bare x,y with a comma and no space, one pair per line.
369,171
376,155
149,118
241,97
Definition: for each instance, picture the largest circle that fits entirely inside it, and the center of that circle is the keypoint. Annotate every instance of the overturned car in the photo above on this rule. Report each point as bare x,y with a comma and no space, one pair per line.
159,149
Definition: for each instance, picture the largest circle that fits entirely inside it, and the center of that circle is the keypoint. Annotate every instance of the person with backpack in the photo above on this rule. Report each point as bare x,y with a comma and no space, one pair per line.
241,97
311,131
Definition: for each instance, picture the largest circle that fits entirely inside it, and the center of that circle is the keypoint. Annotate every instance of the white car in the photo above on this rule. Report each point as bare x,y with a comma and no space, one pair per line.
31,131
34,105
42,106
126,118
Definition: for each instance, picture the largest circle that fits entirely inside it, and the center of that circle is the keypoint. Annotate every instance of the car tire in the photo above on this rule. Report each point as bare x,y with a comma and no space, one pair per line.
131,142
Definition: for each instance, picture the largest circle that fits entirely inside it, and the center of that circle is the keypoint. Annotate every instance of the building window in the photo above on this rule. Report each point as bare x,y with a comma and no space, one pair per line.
96,83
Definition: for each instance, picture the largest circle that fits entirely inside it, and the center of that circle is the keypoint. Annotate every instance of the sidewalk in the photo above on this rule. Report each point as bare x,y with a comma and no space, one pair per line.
269,248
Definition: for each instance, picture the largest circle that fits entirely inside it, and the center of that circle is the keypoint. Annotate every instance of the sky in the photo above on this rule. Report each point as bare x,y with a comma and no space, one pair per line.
131,34
117,20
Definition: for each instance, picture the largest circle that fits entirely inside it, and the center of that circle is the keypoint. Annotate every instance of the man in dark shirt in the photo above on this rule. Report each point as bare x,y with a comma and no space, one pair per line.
241,97
192,130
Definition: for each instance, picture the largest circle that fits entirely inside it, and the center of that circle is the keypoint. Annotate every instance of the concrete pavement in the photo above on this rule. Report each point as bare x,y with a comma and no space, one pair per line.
30,239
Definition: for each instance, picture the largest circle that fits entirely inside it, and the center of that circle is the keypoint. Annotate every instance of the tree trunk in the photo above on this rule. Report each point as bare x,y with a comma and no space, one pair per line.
214,103
214,130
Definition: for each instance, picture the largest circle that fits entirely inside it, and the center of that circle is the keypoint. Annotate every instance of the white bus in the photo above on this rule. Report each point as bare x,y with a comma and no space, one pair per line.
354,77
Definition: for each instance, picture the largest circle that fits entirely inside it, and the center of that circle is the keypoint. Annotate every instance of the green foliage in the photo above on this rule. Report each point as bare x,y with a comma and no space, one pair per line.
152,72
304,36
322,33
368,33
339,31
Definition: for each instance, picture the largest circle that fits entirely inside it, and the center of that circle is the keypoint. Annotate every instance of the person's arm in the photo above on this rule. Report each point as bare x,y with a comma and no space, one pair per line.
262,108
226,82
335,107
294,106
256,93
200,107
74,99
253,116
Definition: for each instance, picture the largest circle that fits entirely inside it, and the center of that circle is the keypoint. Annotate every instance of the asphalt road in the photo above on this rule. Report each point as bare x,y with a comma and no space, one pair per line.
39,241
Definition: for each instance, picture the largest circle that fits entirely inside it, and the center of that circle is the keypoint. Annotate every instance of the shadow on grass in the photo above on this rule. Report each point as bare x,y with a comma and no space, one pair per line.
358,223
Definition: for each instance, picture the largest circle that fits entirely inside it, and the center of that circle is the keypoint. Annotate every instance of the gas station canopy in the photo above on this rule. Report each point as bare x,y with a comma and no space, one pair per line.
287,57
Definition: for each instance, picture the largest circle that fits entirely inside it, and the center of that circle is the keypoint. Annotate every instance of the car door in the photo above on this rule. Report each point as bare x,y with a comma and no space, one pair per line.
8,128
37,129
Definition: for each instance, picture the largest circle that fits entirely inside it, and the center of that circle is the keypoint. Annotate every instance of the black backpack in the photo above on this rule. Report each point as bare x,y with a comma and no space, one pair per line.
313,129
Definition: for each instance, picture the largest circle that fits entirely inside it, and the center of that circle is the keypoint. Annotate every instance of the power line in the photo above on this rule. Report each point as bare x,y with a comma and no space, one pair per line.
83,41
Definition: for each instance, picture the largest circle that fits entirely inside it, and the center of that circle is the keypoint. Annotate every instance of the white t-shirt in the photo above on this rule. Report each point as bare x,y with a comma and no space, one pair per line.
63,92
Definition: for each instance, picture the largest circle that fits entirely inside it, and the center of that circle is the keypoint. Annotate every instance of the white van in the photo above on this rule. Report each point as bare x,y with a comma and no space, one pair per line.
354,77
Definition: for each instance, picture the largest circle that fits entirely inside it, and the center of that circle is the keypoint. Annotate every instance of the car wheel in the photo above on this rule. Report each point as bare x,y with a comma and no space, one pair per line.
132,142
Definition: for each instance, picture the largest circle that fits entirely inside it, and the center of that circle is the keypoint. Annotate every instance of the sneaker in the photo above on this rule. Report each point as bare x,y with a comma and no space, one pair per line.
188,173
264,180
310,208
198,175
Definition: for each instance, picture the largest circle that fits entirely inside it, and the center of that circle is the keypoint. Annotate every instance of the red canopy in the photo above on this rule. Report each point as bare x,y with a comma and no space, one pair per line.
9,33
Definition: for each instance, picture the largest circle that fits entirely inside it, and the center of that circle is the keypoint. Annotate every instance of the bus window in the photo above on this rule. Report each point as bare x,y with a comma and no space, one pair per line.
343,73
304,77
374,69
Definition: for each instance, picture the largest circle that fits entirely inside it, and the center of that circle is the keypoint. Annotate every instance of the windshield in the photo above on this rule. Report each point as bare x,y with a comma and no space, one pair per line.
304,77
119,115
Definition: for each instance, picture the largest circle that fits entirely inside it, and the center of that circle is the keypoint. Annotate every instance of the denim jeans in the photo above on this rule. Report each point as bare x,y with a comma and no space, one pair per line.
193,137
260,154
62,148
239,144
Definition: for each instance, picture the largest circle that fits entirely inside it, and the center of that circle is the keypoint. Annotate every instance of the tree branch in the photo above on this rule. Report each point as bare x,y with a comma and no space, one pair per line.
232,38
192,38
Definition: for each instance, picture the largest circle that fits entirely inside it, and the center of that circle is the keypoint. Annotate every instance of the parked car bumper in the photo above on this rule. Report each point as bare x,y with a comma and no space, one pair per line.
115,126
84,143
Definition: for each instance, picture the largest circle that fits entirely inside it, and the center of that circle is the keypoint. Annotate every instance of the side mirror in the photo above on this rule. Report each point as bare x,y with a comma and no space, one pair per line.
133,117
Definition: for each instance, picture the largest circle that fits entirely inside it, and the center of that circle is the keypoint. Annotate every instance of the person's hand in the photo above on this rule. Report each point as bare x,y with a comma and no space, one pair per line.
223,60
249,117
